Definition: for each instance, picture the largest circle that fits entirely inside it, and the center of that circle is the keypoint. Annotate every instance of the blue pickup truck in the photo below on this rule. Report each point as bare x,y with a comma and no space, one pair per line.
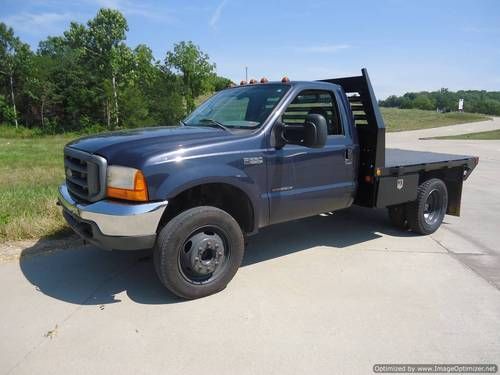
250,156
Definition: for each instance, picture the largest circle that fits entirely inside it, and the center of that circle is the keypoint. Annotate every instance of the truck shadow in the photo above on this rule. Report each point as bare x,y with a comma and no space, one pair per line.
85,275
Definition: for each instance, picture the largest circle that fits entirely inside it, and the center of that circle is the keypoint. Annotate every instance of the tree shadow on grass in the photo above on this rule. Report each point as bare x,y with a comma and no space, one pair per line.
86,275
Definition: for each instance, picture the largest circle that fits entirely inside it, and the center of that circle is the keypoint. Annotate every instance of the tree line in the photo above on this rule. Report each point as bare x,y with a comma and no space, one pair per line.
88,79
487,102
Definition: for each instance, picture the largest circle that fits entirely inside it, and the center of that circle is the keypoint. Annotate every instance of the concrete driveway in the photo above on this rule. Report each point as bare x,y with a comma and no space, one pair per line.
332,294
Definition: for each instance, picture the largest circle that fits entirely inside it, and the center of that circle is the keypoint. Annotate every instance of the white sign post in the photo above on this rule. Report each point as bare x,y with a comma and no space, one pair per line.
460,105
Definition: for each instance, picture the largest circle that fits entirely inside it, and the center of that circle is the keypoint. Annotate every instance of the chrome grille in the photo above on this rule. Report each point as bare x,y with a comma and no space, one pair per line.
85,174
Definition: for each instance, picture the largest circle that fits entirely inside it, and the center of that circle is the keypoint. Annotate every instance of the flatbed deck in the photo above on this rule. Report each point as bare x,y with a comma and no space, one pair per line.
399,161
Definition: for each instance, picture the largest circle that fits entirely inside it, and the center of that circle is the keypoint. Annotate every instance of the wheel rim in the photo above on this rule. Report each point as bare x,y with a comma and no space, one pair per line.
433,209
204,255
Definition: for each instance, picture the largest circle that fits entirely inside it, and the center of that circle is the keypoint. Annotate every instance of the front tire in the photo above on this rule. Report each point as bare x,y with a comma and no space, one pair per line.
426,213
198,252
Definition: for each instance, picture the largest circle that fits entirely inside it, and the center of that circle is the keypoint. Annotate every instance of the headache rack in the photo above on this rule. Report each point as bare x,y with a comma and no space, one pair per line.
371,132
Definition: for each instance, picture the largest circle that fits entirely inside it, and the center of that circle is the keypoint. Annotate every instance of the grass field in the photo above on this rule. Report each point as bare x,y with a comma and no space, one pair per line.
488,135
412,119
30,170
32,167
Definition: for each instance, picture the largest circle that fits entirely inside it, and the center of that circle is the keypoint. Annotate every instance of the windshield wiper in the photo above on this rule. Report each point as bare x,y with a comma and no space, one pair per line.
213,123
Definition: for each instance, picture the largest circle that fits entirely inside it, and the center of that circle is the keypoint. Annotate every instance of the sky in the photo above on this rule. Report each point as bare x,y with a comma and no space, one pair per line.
405,45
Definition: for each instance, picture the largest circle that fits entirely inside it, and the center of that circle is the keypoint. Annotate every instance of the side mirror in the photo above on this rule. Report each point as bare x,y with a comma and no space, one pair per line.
312,133
315,131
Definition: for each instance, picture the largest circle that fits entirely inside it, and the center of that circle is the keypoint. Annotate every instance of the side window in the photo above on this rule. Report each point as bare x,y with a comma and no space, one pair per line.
314,101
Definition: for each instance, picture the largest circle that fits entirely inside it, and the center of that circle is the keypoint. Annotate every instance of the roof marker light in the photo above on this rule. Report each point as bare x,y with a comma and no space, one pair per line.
253,81
264,80
285,80
243,82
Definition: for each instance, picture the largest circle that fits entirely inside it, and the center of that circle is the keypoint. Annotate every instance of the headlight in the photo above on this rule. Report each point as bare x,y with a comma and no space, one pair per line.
126,183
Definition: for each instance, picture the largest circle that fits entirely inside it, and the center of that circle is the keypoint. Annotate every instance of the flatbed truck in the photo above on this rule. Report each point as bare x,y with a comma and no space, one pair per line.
250,156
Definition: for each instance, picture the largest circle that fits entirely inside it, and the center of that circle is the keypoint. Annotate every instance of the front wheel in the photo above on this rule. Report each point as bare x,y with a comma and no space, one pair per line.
198,252
426,213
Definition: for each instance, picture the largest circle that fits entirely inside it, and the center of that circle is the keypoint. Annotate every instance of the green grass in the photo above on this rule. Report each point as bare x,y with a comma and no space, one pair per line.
30,170
412,119
9,131
487,135
31,167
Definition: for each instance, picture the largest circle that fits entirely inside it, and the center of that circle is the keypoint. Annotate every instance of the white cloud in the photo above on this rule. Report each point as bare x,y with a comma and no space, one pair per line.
323,48
39,23
216,14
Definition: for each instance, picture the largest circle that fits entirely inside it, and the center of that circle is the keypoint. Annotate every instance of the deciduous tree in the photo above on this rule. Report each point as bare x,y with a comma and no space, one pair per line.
13,56
195,68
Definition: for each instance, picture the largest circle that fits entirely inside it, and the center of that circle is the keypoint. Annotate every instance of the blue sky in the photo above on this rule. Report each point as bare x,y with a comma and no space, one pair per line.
406,45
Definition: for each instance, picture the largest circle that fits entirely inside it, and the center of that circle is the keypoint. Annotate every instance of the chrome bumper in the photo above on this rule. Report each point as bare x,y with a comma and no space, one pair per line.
114,218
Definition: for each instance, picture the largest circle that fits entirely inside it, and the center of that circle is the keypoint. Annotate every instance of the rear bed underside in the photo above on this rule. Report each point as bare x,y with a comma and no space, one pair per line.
405,170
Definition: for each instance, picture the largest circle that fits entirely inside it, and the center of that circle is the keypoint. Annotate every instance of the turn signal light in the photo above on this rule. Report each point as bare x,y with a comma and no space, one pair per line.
138,193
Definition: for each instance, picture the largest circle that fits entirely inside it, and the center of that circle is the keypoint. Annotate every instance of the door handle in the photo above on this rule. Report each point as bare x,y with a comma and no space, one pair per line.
348,155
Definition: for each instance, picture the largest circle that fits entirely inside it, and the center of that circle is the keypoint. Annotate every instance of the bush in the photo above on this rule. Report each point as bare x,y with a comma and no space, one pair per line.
423,102
9,131
6,111
90,127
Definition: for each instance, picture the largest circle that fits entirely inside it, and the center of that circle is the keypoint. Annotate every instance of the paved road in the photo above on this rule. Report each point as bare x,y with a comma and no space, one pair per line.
474,238
472,127
332,294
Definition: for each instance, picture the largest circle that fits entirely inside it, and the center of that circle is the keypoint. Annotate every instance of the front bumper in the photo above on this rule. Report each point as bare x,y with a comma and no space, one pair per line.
112,224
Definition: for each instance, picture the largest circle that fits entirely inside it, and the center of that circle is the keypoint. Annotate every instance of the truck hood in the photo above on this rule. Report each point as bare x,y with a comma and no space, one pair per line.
133,146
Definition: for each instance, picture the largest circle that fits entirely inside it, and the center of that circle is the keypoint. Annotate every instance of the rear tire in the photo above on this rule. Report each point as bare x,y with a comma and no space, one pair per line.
426,213
198,252
397,216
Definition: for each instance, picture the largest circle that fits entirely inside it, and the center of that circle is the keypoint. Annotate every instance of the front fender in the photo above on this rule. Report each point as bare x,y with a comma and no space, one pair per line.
186,177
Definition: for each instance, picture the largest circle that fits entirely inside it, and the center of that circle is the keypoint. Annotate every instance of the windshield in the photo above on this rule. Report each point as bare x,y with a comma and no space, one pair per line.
245,107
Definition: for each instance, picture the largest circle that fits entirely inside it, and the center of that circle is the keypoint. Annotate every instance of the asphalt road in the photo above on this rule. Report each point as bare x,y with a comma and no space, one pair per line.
332,294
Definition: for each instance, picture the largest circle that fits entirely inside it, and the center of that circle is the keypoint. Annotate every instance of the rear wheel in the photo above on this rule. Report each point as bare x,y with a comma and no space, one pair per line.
426,213
198,252
397,216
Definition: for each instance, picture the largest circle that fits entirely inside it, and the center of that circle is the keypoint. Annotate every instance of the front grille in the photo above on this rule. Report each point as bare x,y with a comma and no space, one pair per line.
85,174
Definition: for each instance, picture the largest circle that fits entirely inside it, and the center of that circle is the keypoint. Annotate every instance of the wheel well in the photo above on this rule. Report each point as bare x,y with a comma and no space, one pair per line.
453,179
224,196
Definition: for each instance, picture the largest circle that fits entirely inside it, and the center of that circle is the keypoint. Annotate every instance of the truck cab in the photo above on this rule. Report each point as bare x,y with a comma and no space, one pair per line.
250,156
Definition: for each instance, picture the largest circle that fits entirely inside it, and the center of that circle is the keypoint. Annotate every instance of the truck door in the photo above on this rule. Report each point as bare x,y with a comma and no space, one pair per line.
305,181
